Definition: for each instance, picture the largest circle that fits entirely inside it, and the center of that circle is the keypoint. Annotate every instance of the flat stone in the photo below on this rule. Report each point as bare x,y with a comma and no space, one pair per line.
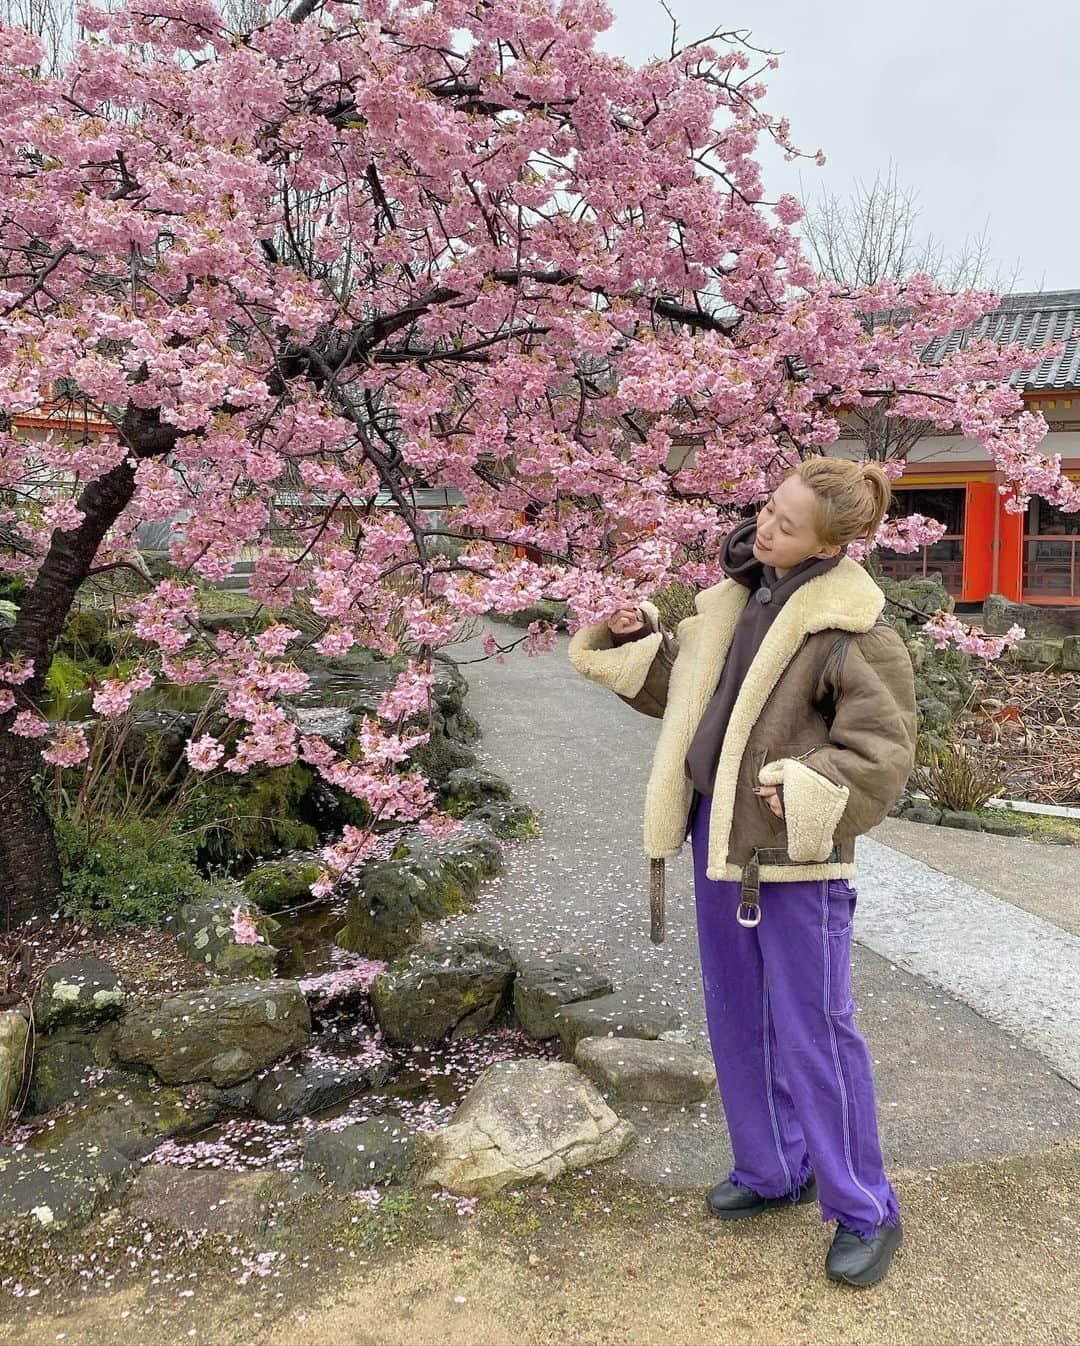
523,1121
643,1071
301,1090
13,1033
208,1199
921,812
80,993
131,1120
201,1034
63,1188
1000,828
356,1157
455,986
543,985
967,821
629,1013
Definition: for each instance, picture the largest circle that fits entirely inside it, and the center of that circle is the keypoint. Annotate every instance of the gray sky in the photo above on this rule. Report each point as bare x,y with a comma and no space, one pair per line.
975,102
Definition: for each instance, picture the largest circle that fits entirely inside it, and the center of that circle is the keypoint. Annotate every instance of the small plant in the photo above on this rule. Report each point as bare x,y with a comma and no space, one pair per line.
959,774
132,871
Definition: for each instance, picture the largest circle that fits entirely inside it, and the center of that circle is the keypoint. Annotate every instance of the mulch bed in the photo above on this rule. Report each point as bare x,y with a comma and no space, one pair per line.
150,962
1033,718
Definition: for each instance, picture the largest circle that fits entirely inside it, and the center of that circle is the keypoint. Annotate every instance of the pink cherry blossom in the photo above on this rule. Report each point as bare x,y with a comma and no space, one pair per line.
28,724
244,928
518,270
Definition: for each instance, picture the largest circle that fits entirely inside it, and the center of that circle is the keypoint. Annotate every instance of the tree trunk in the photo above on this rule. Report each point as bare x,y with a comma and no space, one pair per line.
29,868
29,865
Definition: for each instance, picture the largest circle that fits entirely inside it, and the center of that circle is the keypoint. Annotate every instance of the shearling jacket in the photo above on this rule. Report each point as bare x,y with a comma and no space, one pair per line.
827,711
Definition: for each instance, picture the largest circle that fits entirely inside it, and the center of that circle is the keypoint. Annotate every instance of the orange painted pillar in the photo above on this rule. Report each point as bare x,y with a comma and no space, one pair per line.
980,511
1010,552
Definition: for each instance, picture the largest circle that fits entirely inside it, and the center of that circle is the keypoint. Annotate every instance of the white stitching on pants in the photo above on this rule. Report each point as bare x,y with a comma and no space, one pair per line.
768,1080
836,1051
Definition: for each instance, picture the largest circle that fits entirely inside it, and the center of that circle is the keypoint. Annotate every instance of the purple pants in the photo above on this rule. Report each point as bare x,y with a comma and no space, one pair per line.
794,1072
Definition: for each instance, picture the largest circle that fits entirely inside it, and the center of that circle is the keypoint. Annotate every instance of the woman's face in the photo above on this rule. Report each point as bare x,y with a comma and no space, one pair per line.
787,527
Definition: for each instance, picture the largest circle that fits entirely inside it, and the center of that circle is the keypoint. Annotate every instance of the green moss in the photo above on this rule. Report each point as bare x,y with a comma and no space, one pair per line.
248,817
279,884
1038,826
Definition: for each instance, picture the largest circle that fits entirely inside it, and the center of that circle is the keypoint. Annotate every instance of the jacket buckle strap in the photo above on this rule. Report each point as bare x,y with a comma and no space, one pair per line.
748,912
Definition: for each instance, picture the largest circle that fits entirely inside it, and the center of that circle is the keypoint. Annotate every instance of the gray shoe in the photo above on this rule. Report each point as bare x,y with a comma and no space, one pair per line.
862,1261
730,1201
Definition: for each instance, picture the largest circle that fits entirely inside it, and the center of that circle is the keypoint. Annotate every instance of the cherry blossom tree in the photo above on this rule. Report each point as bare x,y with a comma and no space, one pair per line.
366,247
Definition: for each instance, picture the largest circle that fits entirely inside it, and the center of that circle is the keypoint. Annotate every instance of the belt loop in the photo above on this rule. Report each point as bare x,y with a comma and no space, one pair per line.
748,912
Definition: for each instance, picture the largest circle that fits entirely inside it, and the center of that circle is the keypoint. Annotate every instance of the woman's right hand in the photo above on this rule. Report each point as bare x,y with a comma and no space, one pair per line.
625,621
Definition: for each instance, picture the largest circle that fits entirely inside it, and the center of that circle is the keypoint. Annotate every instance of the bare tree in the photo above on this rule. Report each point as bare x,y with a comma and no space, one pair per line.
53,21
870,236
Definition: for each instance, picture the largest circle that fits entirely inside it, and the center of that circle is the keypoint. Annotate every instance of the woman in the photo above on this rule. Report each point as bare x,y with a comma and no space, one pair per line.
788,711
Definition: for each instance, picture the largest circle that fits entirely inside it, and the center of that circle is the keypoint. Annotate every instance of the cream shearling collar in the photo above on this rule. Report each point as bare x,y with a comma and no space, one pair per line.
844,598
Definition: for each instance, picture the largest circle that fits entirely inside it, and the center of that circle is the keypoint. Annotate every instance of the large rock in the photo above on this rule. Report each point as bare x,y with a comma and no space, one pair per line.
508,821
1000,613
383,918
276,884
631,1013
425,878
63,1188
309,1087
643,1071
358,1156
131,1119
61,1071
13,1034
524,1120
459,863
469,786
208,1199
544,985
1041,652
455,986
81,993
205,933
222,1033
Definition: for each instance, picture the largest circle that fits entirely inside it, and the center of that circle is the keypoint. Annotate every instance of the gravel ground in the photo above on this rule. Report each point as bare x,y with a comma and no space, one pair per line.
988,1256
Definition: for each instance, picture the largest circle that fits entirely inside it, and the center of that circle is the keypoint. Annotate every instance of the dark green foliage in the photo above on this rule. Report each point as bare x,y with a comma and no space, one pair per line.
88,637
242,818
134,872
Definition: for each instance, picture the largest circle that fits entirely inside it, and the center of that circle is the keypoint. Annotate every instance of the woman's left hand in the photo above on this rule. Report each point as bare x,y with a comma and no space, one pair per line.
771,795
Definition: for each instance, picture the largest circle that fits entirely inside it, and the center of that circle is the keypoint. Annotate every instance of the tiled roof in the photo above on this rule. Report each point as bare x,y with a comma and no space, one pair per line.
1031,320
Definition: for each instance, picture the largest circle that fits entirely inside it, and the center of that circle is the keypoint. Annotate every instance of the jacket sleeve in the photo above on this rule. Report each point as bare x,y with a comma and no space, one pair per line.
637,671
848,785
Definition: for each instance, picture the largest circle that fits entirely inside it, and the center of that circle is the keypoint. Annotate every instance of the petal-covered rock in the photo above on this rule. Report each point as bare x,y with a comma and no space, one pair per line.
456,986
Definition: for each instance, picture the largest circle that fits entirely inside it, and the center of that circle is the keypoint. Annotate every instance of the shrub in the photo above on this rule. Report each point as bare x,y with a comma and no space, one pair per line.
134,871
959,774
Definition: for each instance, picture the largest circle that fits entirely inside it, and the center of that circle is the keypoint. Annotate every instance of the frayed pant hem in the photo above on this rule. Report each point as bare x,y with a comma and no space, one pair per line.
802,1176
864,1228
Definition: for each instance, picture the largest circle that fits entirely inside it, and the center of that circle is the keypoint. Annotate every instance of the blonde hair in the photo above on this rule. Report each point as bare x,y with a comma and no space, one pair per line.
851,497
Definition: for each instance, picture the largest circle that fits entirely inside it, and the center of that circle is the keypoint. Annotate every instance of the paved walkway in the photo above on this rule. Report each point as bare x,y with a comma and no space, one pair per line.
968,1002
